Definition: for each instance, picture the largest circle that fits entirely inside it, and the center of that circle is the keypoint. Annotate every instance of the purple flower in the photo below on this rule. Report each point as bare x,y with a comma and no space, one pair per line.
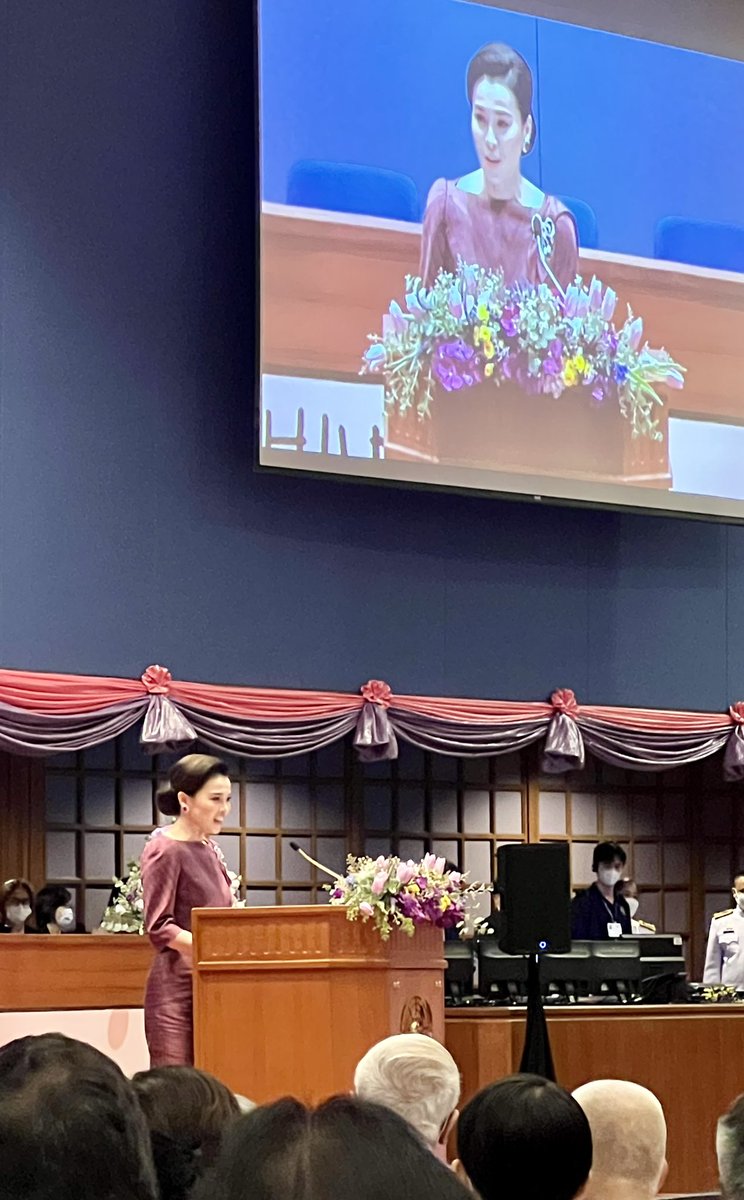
455,365
571,302
379,883
509,317
598,392
454,301
366,908
620,373
595,295
396,314
608,304
582,304
375,356
635,333
551,367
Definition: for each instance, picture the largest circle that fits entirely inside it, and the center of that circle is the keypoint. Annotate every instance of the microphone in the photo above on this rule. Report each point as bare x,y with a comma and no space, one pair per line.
314,862
543,231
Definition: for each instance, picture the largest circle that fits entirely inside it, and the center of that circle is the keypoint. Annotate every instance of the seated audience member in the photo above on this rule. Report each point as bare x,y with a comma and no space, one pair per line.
187,1112
54,913
418,1078
16,905
346,1149
602,911
638,927
70,1125
730,1151
629,1138
524,1137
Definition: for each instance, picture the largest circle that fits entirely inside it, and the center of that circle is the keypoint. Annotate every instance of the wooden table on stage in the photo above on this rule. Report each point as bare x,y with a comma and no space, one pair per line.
327,278
691,1057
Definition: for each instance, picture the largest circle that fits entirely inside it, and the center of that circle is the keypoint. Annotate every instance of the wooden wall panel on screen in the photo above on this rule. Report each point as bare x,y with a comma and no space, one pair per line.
22,803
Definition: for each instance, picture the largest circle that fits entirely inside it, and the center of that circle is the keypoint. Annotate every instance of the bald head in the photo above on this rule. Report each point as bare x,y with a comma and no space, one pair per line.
628,1133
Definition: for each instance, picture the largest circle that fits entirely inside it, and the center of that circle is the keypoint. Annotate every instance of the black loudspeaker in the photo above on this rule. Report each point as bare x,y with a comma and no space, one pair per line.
535,887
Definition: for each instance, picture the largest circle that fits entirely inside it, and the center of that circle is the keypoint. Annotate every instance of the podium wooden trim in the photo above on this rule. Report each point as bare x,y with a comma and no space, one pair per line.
288,999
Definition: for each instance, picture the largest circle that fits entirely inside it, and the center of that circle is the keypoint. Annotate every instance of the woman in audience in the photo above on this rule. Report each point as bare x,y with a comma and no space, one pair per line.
54,913
182,869
16,905
187,1112
524,1137
346,1148
70,1125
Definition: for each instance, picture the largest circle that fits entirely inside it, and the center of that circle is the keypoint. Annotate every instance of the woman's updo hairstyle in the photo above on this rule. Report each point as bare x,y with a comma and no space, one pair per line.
188,775
502,62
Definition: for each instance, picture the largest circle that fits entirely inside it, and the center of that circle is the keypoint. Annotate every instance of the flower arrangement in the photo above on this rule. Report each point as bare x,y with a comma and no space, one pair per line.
126,912
469,327
402,895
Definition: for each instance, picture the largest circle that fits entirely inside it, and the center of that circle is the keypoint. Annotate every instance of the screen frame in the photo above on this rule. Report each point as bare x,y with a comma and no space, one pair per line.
723,36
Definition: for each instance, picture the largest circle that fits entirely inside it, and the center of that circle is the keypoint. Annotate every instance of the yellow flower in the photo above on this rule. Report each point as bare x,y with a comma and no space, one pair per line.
482,312
580,363
488,349
570,374
488,371
476,336
445,903
413,889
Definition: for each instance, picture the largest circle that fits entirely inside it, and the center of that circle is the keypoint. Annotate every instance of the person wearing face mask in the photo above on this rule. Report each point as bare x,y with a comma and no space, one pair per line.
724,959
182,869
16,905
53,912
602,912
637,927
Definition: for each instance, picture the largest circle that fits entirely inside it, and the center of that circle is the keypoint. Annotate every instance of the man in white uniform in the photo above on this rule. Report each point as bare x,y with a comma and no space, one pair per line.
724,960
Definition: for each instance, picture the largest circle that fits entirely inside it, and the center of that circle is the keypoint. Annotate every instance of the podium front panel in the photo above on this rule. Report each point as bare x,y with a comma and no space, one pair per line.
287,1000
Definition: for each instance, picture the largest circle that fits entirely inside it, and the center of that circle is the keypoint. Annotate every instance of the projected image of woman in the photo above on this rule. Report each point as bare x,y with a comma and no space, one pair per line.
493,216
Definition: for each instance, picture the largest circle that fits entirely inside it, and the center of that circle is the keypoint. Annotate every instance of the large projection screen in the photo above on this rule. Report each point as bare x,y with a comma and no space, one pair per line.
502,253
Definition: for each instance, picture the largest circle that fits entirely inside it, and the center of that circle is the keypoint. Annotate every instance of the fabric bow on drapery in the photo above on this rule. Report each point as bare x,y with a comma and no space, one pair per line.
46,714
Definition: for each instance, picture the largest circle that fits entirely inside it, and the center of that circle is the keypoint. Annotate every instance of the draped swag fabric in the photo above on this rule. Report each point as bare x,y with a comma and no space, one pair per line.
43,714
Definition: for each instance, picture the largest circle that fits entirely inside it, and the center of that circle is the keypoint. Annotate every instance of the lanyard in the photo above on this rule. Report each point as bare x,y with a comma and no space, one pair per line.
612,911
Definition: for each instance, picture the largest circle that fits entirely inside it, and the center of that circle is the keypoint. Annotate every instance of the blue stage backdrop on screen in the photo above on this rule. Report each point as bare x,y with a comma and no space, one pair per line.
636,130
379,83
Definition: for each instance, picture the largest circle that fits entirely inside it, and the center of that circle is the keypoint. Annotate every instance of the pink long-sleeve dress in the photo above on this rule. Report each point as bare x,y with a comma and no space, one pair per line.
176,877
494,233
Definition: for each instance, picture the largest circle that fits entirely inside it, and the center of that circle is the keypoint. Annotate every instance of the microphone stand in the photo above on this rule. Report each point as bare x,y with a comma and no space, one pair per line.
537,1056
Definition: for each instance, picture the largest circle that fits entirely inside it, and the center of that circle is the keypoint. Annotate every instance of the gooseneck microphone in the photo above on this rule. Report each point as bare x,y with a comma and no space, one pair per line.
543,231
314,862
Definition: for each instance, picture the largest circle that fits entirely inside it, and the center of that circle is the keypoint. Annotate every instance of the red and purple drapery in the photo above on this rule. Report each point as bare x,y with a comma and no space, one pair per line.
44,714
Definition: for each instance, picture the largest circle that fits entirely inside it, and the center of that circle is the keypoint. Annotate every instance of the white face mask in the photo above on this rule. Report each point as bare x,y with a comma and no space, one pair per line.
739,899
18,914
64,918
632,904
609,876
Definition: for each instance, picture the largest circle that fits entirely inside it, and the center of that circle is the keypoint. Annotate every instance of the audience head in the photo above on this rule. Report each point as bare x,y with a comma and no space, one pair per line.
345,1147
16,903
730,1151
416,1077
70,1125
54,908
737,889
187,1112
629,1138
629,890
524,1136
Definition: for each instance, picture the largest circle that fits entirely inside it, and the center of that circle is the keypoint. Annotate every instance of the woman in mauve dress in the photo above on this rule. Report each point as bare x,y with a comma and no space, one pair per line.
491,217
182,868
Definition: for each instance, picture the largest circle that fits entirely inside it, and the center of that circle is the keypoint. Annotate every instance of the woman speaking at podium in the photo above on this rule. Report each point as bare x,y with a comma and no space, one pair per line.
182,868
494,217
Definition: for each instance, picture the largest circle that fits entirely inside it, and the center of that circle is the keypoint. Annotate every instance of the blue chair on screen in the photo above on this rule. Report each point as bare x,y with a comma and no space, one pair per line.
586,221
700,243
351,188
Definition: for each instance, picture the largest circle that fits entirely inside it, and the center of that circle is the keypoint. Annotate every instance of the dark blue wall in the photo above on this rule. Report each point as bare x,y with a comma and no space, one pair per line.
132,527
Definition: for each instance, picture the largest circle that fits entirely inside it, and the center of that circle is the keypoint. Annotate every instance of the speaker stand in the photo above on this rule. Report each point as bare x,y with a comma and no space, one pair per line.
537,1057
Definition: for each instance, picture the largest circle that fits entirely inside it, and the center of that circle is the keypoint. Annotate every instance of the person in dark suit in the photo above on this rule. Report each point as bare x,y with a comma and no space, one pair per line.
602,912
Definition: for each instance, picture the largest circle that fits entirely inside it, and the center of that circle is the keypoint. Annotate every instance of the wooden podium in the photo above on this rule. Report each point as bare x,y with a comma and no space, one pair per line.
287,1000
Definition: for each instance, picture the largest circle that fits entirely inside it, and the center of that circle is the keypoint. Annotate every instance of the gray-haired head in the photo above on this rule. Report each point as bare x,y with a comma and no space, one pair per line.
416,1077
730,1151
